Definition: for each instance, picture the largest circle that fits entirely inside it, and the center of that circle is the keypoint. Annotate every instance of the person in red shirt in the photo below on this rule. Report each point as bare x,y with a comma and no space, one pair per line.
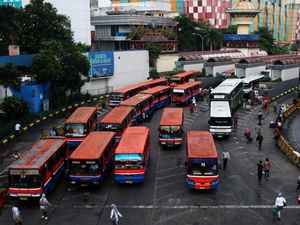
235,120
248,135
192,107
267,166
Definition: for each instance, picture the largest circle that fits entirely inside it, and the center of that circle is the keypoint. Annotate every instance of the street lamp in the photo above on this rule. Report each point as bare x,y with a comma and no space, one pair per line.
201,39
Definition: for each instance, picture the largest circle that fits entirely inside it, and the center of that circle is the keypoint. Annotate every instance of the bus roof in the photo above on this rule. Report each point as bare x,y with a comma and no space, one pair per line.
81,115
154,81
133,140
200,144
134,100
39,153
93,146
117,115
189,84
172,117
220,109
179,75
232,82
127,88
155,89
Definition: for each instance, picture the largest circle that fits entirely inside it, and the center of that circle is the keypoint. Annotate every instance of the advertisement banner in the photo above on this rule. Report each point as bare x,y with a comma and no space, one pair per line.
14,3
102,64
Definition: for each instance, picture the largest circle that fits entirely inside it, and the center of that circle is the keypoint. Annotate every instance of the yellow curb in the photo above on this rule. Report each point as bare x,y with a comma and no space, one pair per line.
44,117
5,141
70,107
25,128
89,100
50,115
64,109
38,121
56,112
32,124
12,136
95,99
82,103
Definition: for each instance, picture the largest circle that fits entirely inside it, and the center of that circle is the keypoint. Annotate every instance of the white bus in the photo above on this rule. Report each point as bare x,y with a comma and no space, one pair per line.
220,120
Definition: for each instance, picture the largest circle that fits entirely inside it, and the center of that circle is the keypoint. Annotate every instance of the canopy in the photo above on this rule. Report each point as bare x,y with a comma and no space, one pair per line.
253,77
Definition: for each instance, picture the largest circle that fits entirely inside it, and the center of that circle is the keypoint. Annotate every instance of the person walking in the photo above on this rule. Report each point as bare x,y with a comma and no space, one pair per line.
259,171
235,120
16,155
248,135
257,129
192,107
16,215
114,214
17,130
267,166
279,203
226,157
259,139
44,206
259,115
298,182
275,107
194,101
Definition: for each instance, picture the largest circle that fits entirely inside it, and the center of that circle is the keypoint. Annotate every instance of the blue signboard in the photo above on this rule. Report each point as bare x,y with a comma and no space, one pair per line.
242,37
102,64
14,3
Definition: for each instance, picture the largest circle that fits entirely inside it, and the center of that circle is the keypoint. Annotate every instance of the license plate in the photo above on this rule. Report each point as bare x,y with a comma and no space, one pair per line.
23,198
84,185
128,182
202,188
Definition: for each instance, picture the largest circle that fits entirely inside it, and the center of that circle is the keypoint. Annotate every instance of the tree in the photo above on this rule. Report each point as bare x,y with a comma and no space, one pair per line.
154,52
41,23
10,76
14,108
266,39
213,38
186,28
63,66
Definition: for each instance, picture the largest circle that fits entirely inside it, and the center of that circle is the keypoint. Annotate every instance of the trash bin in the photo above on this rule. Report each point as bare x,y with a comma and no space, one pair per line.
46,105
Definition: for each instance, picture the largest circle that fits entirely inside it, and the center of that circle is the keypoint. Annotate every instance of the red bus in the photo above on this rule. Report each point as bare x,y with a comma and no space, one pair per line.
182,78
117,121
171,127
132,156
184,93
39,169
80,124
161,96
142,105
90,163
121,94
201,161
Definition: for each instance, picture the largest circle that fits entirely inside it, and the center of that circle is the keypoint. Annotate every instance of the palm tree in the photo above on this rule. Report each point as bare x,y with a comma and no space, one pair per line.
213,38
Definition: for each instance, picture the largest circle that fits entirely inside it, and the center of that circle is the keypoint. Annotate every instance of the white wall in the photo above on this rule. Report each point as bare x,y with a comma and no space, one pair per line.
254,70
166,62
196,66
289,74
79,13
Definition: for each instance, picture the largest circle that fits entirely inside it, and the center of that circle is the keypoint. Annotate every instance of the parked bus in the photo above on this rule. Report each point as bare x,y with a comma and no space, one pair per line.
117,121
161,95
182,78
171,127
80,124
121,94
230,90
185,92
39,169
201,161
220,119
142,105
90,163
132,156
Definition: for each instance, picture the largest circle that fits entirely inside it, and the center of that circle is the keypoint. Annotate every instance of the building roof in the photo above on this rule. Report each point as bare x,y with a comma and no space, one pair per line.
17,60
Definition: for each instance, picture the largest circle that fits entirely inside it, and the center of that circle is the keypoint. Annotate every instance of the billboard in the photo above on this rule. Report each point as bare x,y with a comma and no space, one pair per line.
102,64
242,37
14,3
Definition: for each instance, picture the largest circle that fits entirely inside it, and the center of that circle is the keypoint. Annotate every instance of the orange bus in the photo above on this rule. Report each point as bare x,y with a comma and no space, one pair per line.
202,162
80,124
182,78
161,96
39,169
184,93
142,105
90,163
132,156
117,121
121,94
171,127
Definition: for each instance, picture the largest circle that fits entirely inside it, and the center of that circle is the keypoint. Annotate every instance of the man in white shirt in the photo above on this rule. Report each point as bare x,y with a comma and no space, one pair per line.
279,203
17,130
225,157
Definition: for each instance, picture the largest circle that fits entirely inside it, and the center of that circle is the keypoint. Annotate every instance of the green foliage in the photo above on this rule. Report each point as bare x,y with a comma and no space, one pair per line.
10,76
267,41
213,38
173,72
138,33
14,108
265,79
154,52
153,74
277,80
295,46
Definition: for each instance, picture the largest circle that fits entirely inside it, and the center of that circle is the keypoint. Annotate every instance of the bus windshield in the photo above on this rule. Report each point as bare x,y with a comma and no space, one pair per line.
170,131
75,130
116,96
25,179
128,161
177,94
175,81
87,168
203,167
